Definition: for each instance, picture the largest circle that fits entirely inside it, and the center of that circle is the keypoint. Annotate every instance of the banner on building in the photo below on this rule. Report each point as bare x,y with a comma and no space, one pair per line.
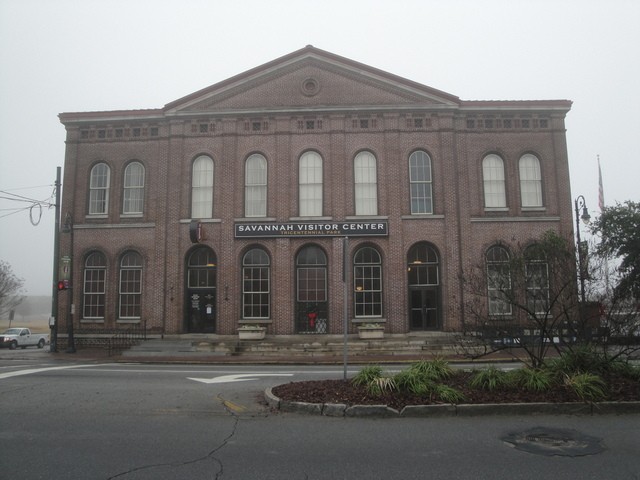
312,229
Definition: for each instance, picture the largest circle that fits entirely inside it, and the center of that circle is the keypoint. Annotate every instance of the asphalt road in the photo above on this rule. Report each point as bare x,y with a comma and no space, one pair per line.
71,420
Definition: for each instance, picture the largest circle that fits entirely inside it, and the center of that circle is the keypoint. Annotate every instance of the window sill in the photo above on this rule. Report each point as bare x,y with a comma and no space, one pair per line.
496,209
534,209
92,320
131,215
257,321
96,216
135,321
366,320
422,216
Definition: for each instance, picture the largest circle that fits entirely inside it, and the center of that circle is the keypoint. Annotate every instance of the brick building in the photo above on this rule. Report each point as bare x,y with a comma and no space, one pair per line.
231,205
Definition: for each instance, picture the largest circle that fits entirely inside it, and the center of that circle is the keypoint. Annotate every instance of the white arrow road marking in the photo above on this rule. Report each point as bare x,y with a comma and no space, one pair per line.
38,370
239,378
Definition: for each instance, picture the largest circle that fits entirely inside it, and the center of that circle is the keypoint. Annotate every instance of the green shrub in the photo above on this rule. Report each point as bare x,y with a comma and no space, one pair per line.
367,375
436,369
490,379
532,379
448,394
587,386
381,385
625,369
413,381
579,360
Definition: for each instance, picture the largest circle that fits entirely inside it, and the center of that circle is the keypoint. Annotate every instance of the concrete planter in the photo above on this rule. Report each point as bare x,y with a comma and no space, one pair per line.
368,333
252,333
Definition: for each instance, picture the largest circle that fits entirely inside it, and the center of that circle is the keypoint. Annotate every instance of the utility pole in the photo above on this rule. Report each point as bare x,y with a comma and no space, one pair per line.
53,322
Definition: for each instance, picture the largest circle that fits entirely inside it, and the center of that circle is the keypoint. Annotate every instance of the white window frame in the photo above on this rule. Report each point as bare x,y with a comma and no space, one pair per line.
133,188
255,186
202,178
530,181
99,183
366,184
493,176
421,183
310,185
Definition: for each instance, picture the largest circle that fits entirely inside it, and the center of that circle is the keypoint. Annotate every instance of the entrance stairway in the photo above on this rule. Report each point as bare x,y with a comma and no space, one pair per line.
295,348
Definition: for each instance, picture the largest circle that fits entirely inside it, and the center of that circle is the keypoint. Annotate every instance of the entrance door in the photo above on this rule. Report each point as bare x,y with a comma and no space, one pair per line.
311,291
423,268
201,292
423,305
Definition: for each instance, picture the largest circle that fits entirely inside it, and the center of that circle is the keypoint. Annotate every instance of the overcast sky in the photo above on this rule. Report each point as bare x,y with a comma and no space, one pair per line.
86,55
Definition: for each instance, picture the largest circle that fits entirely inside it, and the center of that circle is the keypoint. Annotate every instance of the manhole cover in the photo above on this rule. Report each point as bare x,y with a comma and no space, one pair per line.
553,441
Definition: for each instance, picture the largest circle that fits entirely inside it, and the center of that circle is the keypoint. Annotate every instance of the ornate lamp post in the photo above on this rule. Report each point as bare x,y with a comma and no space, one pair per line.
581,214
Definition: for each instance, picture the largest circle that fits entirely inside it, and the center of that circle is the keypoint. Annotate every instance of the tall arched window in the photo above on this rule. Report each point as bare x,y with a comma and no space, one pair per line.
367,283
530,181
494,182
310,185
311,290
202,187
421,184
93,297
130,288
256,288
99,189
255,186
133,185
366,184
498,281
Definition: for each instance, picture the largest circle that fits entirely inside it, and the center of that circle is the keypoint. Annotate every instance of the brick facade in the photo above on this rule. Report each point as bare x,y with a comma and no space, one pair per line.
309,100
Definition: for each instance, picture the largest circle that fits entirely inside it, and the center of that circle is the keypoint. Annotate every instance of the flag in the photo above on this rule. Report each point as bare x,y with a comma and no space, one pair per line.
600,190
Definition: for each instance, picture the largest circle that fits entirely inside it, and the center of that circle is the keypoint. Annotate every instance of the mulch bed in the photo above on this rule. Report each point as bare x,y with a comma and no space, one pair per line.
619,389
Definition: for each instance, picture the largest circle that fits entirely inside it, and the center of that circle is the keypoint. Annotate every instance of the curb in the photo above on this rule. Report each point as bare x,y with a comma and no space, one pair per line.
450,410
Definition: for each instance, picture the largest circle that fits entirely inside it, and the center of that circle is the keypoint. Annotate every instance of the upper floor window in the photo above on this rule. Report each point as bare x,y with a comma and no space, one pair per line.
494,182
530,181
366,184
130,288
310,185
499,280
255,186
420,180
133,194
202,188
99,189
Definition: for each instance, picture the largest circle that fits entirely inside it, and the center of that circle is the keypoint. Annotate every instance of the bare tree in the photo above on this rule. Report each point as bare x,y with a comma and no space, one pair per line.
524,299
10,289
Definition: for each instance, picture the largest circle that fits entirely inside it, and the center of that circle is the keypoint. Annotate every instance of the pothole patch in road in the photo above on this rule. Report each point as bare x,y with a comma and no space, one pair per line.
555,441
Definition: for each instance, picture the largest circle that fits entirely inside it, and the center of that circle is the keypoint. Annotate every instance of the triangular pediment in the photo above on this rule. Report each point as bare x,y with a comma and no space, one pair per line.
310,80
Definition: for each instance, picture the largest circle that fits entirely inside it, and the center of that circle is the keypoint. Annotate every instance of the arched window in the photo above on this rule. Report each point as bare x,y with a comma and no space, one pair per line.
536,280
202,187
310,185
99,189
133,185
498,281
530,181
421,184
366,184
95,270
494,182
367,283
256,272
130,290
311,290
255,186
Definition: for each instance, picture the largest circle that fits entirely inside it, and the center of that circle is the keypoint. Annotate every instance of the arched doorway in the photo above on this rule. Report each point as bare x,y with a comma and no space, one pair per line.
311,290
200,304
423,269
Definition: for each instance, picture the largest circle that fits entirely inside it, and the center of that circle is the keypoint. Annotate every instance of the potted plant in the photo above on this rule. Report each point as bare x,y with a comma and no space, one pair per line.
251,332
371,330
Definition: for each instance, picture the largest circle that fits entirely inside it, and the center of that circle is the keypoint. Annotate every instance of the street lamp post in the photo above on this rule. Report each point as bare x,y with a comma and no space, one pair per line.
581,214
68,228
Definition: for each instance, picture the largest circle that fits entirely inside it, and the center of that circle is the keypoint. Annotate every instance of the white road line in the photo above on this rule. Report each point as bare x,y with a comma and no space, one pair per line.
19,373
